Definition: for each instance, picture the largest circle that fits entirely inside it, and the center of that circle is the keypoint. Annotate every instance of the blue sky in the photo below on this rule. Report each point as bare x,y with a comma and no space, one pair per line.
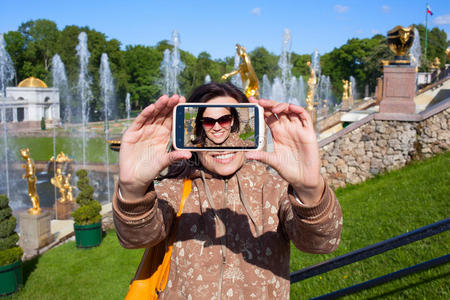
216,26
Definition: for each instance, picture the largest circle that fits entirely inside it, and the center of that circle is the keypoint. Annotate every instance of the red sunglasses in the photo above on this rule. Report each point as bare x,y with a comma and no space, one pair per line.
224,121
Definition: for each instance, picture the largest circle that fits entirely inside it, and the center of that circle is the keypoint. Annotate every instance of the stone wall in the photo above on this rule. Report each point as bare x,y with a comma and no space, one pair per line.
372,145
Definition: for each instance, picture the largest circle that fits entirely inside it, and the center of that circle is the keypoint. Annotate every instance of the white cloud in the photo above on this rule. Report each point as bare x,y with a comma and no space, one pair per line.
442,20
359,31
340,9
374,31
256,11
386,9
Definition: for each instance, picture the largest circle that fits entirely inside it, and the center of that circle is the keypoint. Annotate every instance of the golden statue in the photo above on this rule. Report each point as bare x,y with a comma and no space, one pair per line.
436,64
58,181
68,188
312,81
345,92
447,52
400,39
61,158
30,175
248,75
345,95
63,184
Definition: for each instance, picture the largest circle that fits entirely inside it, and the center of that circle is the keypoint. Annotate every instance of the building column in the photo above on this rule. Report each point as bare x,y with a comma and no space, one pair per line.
14,111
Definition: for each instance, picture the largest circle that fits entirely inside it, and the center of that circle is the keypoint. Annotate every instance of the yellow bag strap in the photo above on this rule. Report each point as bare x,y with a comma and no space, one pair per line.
164,275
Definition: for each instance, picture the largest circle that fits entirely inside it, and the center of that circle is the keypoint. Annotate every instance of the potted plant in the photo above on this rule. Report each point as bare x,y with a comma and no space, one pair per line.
10,252
88,220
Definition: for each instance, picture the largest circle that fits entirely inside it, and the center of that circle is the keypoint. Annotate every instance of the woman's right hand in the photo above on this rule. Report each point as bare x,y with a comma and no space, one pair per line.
143,149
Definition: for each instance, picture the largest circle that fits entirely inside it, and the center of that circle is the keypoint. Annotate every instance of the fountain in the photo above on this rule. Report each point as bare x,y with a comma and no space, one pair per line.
302,92
10,173
288,88
107,94
236,80
353,94
6,75
285,59
207,79
415,52
325,100
266,88
278,91
172,66
165,70
60,81
128,107
84,90
293,91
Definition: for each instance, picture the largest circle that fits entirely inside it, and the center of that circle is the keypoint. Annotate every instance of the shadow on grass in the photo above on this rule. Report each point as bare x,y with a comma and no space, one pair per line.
28,267
412,285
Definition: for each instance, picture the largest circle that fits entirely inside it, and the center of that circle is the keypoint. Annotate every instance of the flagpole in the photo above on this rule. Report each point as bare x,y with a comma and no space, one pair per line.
426,37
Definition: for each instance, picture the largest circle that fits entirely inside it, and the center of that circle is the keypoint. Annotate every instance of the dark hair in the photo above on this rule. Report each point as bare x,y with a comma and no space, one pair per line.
203,94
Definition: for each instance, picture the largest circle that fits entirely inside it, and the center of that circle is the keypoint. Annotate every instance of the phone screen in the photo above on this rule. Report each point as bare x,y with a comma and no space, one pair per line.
217,126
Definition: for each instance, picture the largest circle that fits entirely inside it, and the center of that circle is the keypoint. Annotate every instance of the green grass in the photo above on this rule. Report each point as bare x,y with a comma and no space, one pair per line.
41,148
376,210
66,272
245,136
381,208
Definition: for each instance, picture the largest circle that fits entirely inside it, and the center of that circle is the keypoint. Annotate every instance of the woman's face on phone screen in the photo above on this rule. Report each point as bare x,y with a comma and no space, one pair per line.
218,128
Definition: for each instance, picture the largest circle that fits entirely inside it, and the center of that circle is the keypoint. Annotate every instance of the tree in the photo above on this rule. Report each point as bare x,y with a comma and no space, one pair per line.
41,39
16,47
299,66
436,45
9,251
360,58
142,67
264,62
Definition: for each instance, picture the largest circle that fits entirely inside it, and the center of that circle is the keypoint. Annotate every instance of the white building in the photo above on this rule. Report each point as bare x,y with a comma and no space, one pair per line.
30,101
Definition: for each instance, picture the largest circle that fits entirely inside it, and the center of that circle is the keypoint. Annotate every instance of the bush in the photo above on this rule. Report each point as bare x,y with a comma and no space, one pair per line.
9,251
89,210
43,123
88,214
86,191
10,255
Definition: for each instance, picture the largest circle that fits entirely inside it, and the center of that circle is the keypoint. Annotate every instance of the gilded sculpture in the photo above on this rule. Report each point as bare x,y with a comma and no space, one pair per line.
436,64
400,39
345,86
61,181
30,175
61,158
312,81
248,75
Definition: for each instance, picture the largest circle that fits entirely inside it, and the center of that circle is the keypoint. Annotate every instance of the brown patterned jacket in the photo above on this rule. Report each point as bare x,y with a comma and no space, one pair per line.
233,238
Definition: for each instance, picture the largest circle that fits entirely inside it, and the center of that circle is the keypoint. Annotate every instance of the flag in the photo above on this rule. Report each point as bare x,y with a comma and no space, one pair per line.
429,10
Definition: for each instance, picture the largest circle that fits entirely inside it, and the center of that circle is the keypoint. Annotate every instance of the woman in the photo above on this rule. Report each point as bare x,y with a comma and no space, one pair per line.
233,238
215,124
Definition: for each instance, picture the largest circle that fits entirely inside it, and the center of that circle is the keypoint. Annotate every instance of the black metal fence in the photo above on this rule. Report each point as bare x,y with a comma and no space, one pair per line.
373,250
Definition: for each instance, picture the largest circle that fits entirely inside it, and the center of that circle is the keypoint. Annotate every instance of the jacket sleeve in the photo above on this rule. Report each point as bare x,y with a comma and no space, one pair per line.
144,222
313,229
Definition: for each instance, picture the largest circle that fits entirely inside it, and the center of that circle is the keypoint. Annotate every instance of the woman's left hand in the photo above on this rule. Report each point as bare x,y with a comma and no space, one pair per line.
296,151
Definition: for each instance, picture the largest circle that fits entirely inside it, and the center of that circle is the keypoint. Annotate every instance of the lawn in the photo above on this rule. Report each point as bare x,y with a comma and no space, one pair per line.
376,210
41,148
381,208
66,272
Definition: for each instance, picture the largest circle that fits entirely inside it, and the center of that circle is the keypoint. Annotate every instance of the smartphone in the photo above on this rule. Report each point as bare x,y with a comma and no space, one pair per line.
207,127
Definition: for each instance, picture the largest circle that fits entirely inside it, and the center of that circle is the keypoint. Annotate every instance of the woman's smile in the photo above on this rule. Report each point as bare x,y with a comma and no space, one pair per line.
223,157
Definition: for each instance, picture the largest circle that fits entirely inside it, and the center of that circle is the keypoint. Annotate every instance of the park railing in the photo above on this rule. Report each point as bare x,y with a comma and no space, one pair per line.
373,250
